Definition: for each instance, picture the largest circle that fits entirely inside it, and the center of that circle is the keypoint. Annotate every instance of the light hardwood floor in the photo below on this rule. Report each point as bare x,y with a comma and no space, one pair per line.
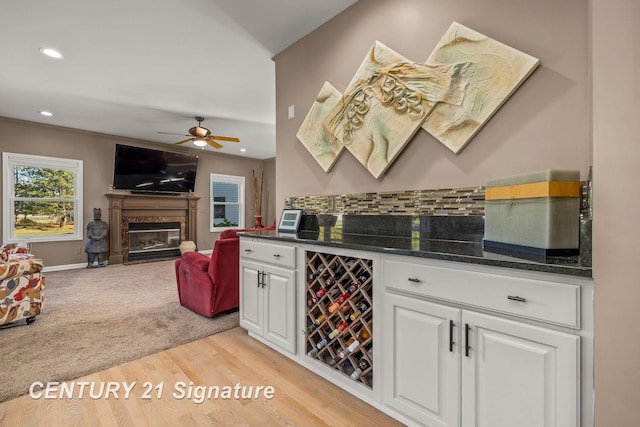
300,398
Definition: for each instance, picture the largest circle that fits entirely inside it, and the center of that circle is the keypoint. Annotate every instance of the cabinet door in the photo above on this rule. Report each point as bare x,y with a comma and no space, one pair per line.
251,297
422,370
279,301
518,375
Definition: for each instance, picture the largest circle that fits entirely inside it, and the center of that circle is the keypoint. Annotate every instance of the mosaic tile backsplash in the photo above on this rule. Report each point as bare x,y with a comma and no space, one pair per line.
453,201
464,201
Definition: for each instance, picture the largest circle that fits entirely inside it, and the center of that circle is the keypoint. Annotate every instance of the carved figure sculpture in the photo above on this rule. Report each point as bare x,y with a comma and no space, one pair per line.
97,231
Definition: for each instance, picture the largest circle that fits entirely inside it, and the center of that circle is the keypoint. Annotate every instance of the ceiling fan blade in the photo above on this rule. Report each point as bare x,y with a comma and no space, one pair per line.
214,144
185,140
225,138
171,133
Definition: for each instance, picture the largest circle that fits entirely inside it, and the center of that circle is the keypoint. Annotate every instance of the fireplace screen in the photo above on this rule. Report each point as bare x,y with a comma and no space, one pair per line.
153,240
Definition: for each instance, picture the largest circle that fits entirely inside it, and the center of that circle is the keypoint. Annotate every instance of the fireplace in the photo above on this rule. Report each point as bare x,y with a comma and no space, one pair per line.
149,227
153,240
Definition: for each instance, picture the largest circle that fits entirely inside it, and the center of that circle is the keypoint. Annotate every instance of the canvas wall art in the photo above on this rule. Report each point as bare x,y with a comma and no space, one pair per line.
492,72
321,143
386,103
452,95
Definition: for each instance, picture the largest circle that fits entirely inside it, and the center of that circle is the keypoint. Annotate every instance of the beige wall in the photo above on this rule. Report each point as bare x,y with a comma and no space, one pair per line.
544,125
577,109
97,153
616,233
268,204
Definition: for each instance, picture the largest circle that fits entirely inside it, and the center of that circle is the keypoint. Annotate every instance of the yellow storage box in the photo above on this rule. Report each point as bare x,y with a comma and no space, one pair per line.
536,214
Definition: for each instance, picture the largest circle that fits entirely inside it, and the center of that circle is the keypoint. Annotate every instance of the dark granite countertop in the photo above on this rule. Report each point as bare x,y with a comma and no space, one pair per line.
448,250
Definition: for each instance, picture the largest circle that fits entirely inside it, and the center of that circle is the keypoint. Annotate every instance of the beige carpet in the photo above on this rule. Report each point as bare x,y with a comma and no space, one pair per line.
98,318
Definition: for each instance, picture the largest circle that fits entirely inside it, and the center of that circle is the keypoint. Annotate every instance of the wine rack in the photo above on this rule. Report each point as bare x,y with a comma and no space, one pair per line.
339,321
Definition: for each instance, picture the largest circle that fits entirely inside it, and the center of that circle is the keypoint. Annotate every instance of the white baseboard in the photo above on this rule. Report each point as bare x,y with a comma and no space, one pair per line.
64,267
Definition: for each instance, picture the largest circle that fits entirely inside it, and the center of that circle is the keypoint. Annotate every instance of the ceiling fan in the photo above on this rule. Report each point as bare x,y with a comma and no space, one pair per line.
202,136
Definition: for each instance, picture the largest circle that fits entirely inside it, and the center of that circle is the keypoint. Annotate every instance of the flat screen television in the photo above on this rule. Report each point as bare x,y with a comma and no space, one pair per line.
143,170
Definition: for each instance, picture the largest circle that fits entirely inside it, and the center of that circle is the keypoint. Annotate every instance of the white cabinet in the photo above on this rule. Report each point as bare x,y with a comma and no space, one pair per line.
422,364
268,291
251,297
449,365
455,344
514,374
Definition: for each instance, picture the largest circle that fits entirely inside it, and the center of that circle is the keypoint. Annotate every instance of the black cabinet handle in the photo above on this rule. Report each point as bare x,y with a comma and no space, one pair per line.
516,298
248,250
261,277
276,255
467,328
451,343
414,279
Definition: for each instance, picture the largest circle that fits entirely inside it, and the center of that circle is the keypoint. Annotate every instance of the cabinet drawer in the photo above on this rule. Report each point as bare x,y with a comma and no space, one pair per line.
271,253
535,299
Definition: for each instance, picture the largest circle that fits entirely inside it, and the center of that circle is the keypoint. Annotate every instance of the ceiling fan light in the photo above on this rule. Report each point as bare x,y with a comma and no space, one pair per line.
200,142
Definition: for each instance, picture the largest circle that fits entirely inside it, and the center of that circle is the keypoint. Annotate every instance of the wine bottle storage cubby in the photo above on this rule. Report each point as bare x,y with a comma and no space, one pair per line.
339,323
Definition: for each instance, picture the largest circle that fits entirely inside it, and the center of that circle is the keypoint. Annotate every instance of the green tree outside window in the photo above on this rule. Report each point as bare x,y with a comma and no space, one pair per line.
43,198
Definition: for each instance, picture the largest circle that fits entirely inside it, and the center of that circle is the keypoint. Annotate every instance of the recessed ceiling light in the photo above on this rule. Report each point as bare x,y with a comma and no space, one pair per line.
46,113
243,149
51,52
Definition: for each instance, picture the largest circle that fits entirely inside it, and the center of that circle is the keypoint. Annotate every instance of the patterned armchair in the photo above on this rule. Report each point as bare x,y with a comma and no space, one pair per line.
21,283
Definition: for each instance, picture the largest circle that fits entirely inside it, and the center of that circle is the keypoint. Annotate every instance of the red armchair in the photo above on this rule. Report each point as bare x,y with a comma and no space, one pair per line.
211,285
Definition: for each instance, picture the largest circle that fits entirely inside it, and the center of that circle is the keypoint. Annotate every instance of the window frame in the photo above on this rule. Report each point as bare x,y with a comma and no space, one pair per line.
231,179
9,161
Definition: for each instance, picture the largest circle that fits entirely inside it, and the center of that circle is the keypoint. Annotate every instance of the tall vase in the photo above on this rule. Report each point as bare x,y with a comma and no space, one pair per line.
258,222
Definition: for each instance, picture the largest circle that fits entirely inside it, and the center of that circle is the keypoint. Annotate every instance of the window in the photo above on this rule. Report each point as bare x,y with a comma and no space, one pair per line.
227,202
42,198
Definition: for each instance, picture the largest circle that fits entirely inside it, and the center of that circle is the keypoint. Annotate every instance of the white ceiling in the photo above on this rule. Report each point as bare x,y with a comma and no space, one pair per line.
135,67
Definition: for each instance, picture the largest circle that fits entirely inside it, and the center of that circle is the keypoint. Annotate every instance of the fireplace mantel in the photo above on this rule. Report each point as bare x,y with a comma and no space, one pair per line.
127,208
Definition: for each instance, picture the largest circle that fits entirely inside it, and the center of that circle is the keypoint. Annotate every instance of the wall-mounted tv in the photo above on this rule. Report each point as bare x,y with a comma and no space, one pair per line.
144,170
